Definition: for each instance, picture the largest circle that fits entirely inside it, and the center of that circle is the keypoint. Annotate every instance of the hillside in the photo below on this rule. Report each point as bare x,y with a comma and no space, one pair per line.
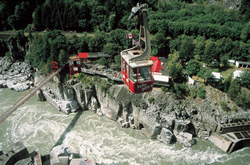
188,33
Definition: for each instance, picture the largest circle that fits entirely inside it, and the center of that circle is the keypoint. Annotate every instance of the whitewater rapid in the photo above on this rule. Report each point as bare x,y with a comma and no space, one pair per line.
40,125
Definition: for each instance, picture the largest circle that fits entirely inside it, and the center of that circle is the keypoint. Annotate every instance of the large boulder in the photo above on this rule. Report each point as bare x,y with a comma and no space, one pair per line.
40,96
5,64
182,125
93,105
166,136
11,84
3,84
80,94
68,94
68,106
184,138
184,131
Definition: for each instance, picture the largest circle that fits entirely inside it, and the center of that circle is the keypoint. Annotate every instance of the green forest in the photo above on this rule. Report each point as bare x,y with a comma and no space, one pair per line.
187,32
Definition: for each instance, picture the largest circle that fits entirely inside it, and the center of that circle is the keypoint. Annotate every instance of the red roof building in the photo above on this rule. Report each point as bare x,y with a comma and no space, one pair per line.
82,55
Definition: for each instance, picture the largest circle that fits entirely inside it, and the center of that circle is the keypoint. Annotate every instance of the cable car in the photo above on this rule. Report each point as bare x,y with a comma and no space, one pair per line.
136,65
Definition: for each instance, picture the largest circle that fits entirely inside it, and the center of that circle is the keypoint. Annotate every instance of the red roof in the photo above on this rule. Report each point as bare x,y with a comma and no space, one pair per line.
154,58
157,64
82,55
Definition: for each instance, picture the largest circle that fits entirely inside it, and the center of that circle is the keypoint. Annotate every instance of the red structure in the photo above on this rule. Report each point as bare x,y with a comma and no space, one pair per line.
54,65
91,56
83,55
157,64
74,66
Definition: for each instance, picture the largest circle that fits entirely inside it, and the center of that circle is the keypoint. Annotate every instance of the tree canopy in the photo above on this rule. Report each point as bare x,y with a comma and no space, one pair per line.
193,67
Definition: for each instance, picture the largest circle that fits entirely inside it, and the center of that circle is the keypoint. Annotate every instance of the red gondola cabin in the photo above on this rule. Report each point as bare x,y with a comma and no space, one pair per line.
136,65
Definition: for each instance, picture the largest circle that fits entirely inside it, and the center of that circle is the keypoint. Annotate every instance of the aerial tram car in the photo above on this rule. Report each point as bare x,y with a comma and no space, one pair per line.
136,65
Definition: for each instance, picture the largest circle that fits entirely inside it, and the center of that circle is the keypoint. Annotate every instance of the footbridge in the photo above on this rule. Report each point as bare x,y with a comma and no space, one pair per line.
30,93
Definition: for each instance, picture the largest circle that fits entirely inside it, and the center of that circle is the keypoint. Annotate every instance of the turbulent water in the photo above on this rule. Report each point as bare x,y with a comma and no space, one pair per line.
40,125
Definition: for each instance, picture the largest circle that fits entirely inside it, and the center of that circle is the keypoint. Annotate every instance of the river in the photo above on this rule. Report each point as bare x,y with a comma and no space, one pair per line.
40,125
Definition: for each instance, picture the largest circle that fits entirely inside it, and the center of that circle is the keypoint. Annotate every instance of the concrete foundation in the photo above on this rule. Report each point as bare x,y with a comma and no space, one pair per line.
231,136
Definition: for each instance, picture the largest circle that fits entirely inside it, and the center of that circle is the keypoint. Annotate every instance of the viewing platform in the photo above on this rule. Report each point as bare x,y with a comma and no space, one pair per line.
159,79
113,75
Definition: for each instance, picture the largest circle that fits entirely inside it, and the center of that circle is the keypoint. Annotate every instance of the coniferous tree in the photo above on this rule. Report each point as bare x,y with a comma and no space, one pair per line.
245,79
193,67
3,48
245,34
63,57
37,17
199,49
209,53
227,83
205,73
234,90
176,71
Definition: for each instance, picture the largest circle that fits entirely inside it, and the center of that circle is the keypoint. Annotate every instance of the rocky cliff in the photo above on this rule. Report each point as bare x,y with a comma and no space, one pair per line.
168,118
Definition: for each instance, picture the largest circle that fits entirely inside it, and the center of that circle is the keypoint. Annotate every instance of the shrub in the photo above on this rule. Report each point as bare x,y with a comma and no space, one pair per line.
234,90
80,76
103,85
151,100
202,93
82,80
111,81
245,79
103,61
243,99
224,106
67,77
235,108
216,70
43,69
163,88
118,67
74,76
97,79
91,84
171,90
181,89
194,93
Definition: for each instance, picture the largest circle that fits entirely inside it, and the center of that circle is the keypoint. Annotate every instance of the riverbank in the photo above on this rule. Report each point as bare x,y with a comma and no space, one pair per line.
168,118
39,125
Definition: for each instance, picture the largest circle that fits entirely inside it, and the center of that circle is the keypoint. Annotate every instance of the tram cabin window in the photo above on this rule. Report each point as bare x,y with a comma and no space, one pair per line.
144,74
133,74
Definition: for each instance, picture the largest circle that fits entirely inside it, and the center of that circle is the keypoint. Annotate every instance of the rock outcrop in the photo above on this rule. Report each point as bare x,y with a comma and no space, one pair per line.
167,118
17,75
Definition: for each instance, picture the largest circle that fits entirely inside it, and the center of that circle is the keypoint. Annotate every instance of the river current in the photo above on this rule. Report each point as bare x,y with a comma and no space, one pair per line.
40,125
